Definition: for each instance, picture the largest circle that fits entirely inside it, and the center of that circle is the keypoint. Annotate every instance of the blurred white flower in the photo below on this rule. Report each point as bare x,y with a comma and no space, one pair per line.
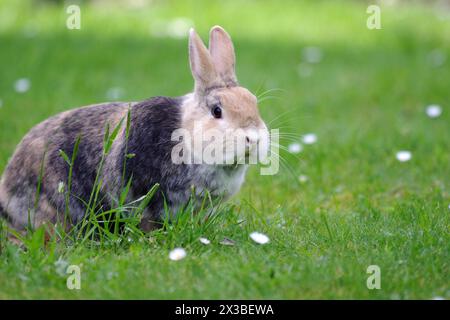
403,156
22,85
205,241
259,237
438,298
302,178
115,93
295,148
177,28
312,54
433,110
309,138
177,254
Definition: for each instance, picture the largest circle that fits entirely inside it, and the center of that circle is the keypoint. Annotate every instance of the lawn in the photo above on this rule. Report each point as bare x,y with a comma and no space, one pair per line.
363,93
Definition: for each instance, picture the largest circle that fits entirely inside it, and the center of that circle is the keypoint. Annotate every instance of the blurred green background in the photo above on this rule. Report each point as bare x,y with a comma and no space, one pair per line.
362,92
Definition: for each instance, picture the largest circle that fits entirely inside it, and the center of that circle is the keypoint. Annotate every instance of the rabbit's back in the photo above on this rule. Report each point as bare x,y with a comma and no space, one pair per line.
37,162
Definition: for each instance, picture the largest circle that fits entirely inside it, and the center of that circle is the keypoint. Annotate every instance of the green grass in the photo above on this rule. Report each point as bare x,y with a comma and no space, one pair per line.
365,101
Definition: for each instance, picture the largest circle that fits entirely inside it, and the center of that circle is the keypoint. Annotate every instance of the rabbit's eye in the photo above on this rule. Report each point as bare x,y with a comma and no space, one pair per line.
216,111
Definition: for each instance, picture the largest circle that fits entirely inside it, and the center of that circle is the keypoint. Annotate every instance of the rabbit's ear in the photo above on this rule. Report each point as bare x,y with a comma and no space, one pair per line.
202,66
222,53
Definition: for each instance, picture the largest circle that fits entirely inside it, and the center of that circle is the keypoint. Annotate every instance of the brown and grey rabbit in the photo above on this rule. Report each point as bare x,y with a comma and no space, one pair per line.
218,102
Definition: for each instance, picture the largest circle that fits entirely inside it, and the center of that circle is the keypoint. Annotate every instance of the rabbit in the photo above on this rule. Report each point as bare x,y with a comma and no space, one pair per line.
217,102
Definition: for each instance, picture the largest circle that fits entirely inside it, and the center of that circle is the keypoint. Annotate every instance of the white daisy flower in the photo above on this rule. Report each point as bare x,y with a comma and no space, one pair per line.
259,237
205,241
403,156
433,111
295,148
309,138
22,85
177,254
